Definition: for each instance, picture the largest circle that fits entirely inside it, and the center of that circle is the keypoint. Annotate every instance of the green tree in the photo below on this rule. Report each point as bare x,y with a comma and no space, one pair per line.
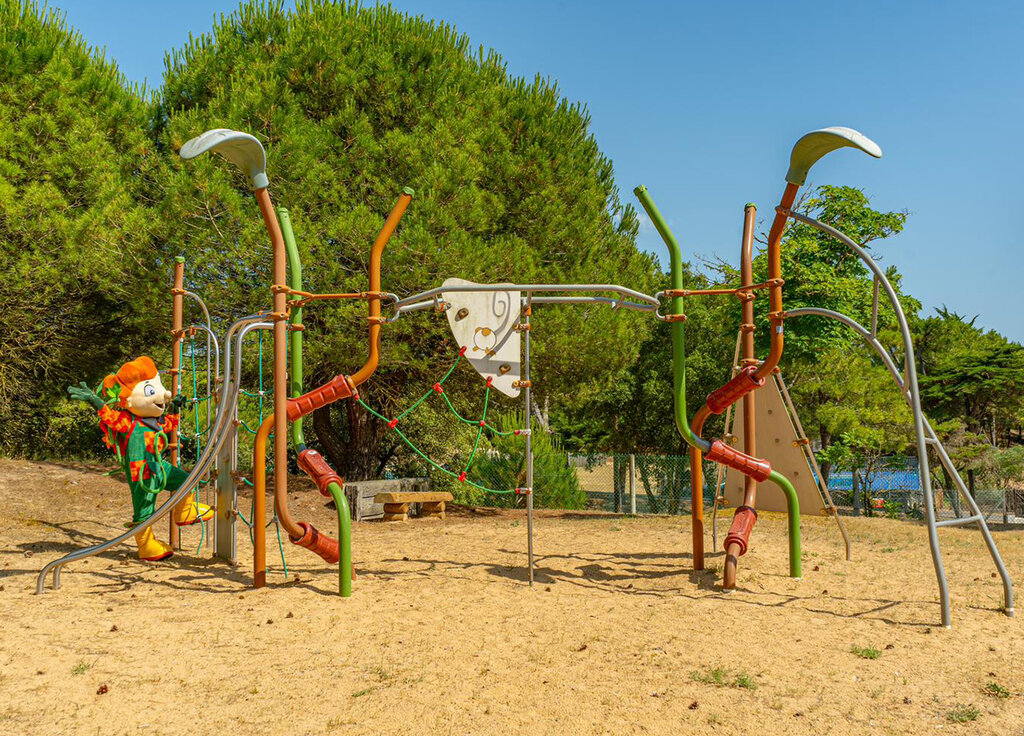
76,227
968,373
352,104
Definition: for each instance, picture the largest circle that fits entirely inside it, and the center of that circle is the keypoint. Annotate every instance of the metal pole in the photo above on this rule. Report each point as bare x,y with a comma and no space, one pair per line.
632,484
527,310
280,276
177,309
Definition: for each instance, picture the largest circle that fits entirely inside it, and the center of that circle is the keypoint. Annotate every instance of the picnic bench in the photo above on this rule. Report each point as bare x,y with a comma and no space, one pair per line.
396,505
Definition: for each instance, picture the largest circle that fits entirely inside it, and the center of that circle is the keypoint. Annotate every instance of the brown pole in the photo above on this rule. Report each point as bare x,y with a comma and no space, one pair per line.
697,489
177,311
280,416
749,402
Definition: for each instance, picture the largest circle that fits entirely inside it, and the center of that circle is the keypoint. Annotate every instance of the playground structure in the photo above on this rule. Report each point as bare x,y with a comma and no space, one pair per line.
490,321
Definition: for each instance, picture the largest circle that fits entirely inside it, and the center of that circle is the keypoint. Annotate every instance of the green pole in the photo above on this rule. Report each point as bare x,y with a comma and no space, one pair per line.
295,389
793,512
677,328
344,540
295,282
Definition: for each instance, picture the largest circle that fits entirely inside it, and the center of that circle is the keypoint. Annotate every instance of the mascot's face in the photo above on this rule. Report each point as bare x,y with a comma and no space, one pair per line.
148,398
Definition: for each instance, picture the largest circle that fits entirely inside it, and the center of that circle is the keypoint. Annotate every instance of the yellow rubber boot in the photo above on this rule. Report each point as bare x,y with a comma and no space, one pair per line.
189,511
151,548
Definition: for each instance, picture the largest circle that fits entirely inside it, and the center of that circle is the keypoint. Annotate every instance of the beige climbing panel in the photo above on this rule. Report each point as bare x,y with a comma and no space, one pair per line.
777,442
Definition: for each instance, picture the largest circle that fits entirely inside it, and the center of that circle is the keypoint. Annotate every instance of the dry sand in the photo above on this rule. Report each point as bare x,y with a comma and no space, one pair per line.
443,636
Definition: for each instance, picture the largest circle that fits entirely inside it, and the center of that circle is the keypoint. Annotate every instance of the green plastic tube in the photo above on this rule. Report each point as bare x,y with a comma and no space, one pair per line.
793,514
677,328
295,282
344,540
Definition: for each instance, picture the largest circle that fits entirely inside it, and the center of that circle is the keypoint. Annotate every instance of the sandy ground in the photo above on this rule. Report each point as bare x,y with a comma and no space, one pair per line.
443,636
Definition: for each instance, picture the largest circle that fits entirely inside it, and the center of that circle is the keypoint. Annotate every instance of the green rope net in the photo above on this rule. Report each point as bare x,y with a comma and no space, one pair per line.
481,424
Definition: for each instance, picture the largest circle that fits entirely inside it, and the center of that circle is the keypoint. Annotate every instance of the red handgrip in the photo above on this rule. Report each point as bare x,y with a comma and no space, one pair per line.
730,457
742,384
337,388
314,541
314,465
742,525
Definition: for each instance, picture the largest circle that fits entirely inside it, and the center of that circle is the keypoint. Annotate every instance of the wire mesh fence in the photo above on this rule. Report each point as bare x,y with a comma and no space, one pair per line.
660,484
891,486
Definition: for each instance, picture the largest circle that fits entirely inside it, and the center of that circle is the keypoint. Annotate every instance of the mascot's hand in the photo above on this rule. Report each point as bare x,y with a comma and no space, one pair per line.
176,403
82,392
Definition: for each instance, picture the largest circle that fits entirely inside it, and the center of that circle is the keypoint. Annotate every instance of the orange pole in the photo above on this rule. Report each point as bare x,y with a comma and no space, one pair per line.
775,315
177,312
373,316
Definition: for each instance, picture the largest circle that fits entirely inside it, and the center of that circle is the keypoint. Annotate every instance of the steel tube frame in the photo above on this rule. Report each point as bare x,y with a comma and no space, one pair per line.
922,430
527,289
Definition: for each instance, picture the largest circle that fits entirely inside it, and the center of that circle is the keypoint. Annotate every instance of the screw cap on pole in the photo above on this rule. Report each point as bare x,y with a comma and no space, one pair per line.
241,149
819,143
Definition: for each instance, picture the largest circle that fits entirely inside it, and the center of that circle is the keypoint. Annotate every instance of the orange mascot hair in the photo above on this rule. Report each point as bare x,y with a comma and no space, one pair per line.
131,373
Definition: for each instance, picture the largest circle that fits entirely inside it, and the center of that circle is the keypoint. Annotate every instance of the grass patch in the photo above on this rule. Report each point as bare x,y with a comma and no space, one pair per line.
361,693
720,677
82,667
963,714
996,690
865,652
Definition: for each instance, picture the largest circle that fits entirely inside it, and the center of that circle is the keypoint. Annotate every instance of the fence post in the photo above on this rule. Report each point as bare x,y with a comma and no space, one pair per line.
632,484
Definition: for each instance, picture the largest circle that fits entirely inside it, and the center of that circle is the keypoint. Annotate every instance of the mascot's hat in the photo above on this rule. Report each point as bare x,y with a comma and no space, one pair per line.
131,373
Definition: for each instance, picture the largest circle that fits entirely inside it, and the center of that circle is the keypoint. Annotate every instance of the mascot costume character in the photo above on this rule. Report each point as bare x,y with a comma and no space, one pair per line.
135,427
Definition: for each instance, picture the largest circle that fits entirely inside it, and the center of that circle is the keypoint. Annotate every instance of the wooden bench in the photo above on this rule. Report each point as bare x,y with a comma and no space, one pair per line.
396,505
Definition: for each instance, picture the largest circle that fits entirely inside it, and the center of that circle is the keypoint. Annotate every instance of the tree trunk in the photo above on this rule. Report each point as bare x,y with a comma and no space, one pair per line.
826,467
354,449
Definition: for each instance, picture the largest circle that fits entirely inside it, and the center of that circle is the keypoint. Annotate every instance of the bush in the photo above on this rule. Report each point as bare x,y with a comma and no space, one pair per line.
503,465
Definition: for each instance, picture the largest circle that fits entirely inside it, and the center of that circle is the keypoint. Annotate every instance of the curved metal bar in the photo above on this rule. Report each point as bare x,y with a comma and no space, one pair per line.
914,397
910,387
202,464
529,289
944,458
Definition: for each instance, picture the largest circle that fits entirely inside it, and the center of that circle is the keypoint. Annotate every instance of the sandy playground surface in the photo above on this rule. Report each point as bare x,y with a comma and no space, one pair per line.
443,636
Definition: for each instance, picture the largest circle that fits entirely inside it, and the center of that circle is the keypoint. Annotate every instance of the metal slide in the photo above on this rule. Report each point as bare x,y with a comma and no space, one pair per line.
218,435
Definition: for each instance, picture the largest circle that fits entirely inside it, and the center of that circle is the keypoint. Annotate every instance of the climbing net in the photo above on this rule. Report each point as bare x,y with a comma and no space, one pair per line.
199,433
481,424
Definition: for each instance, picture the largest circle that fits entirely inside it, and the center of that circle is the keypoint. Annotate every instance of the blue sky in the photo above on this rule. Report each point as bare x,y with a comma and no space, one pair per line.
701,101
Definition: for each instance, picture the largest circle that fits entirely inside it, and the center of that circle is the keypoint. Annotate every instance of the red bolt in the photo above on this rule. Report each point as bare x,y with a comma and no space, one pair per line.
482,423
437,387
